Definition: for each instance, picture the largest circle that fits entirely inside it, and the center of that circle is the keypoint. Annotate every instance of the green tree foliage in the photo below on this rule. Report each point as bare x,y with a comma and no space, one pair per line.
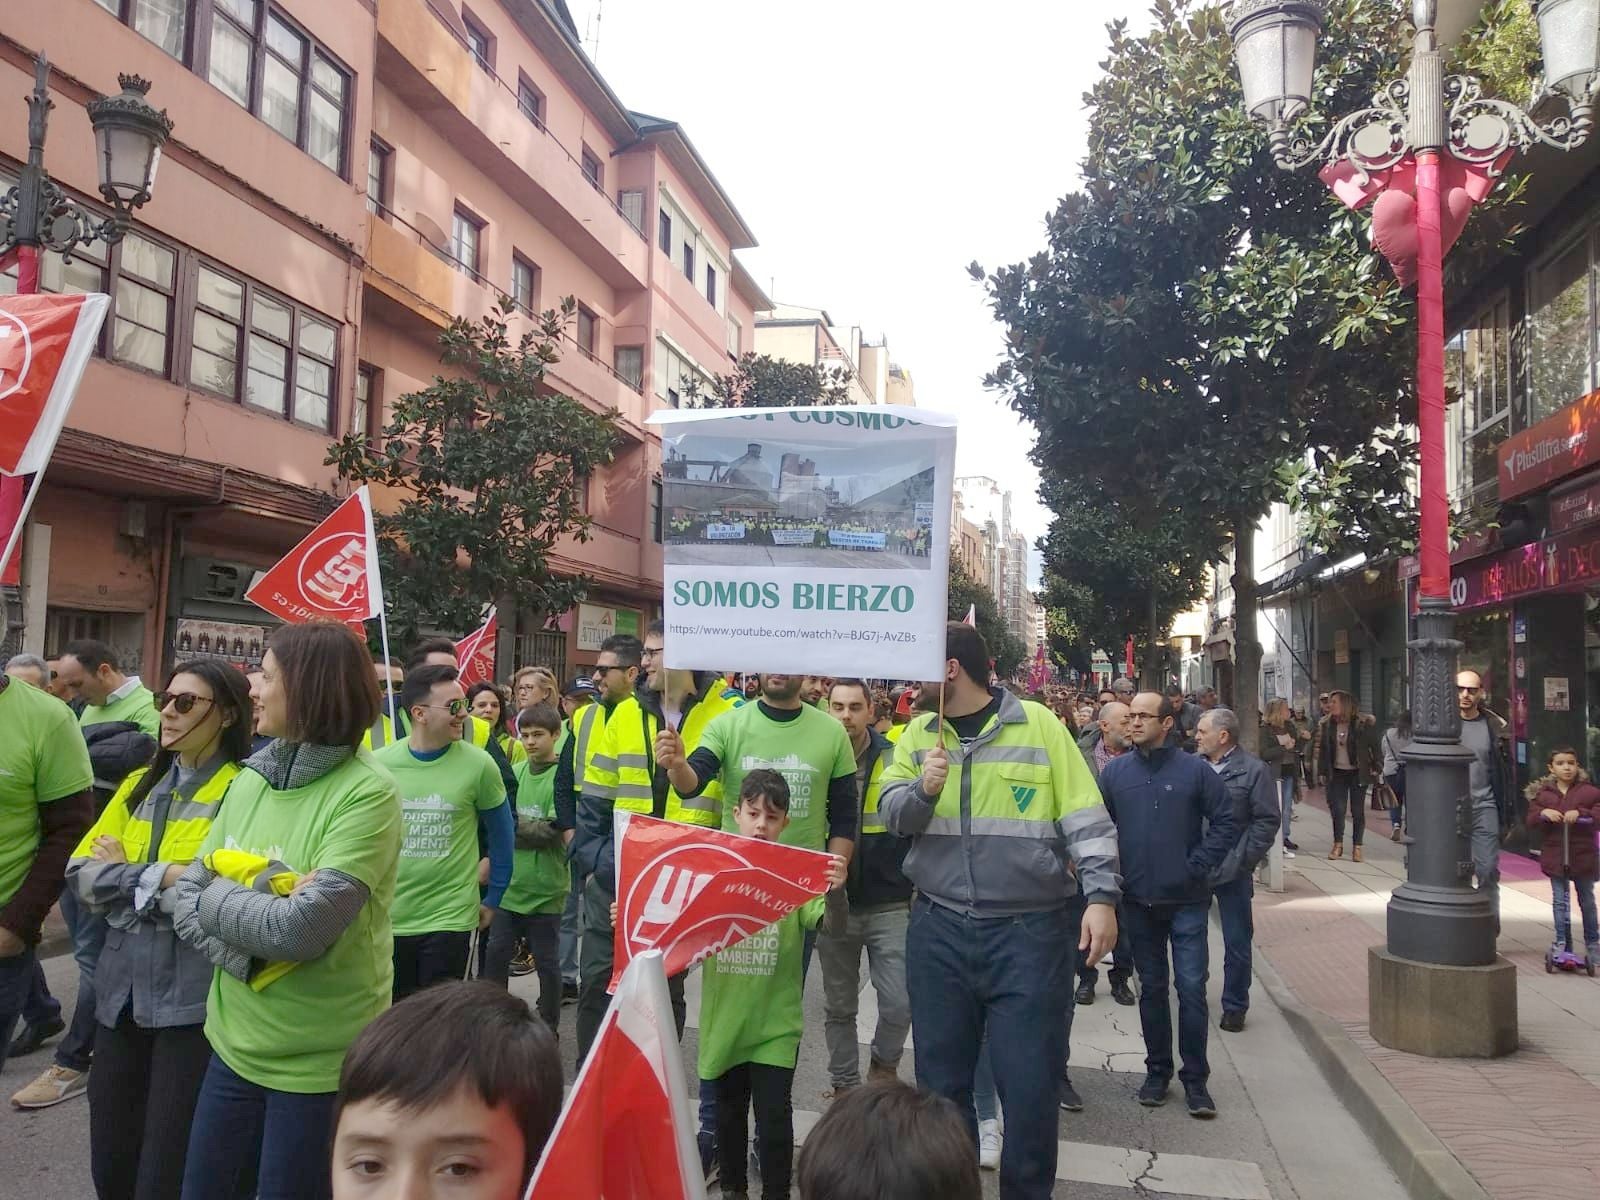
761,381
1005,647
1199,318
489,466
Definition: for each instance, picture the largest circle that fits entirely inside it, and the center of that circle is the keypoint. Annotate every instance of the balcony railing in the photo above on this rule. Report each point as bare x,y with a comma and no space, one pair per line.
534,120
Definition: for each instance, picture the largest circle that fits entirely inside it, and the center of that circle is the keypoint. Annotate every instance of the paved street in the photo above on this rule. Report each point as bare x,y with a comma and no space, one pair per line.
1280,1134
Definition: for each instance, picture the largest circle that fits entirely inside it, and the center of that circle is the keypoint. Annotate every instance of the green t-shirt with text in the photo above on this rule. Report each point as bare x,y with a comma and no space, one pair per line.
809,751
43,758
138,707
750,1010
540,879
292,1035
436,890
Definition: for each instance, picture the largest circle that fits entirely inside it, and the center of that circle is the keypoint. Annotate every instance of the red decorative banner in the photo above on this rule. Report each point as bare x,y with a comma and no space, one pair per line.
691,892
626,1130
332,574
475,652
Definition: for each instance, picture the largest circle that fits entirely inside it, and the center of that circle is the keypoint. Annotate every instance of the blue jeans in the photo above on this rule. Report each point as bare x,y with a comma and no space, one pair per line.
571,922
1561,907
75,1051
1012,978
16,977
1286,797
250,1141
1152,929
1238,929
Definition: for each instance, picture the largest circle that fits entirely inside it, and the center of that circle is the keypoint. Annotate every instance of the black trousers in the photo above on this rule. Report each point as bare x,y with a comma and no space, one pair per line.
543,934
424,959
768,1090
142,1095
1345,791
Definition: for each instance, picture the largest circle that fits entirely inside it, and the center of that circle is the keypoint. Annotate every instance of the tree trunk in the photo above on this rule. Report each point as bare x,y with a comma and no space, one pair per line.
1246,649
505,642
1151,675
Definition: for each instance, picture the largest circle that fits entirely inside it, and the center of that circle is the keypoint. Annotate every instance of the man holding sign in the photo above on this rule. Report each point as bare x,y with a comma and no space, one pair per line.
996,805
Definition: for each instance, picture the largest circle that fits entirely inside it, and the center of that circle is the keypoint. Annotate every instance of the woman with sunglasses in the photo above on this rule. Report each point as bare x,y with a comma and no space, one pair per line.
290,899
486,701
150,1051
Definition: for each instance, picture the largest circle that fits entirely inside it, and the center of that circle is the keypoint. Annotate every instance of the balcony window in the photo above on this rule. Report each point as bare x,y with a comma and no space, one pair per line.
735,336
530,102
664,232
380,161
465,234
479,43
361,411
164,22
629,361
711,285
1561,328
688,261
592,170
142,321
585,331
632,205
524,284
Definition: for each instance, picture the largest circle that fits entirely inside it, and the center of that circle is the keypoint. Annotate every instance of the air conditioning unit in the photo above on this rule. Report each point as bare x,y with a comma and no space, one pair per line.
215,581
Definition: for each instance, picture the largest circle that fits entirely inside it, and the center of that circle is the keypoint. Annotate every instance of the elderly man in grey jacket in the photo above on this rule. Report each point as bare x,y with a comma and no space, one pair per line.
1253,790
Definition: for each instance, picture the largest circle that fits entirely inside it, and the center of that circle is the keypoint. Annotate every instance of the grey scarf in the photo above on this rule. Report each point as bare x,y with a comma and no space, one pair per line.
285,764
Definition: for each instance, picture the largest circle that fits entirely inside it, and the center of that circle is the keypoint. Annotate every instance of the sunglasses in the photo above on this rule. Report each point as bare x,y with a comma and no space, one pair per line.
455,708
182,702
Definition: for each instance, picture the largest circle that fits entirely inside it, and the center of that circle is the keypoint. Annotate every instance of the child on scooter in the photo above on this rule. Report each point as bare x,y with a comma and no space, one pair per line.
1562,806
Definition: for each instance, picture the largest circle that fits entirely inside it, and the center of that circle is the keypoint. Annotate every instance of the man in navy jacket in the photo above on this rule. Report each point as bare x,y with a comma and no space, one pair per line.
1175,825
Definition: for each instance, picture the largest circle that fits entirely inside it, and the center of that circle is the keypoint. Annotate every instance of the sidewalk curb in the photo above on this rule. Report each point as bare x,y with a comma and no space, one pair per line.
1423,1164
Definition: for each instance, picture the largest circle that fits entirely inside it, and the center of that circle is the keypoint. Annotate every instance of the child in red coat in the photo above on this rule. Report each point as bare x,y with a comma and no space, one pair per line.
1563,805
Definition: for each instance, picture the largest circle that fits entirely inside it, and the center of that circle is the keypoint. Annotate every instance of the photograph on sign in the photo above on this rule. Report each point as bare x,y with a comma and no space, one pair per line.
1557,693
807,539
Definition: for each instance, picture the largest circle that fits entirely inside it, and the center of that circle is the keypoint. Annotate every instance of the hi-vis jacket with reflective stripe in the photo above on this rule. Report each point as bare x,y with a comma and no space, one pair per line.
144,966
587,724
621,775
877,868
706,808
1018,803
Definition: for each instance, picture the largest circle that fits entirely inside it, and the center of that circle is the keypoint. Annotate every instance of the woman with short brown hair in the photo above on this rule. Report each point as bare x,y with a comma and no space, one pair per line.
290,898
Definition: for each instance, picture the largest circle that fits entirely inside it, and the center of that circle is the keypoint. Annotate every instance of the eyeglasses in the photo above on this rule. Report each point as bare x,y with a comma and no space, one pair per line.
182,702
1144,716
1464,688
604,670
456,708
650,652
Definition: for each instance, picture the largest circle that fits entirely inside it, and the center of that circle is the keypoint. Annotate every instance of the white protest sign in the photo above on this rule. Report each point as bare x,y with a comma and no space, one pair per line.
840,565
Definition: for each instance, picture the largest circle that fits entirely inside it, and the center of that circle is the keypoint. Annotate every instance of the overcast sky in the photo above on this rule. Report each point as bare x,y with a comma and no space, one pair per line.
876,149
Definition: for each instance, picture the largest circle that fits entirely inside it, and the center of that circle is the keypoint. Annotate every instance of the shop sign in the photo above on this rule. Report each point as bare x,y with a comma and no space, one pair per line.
1575,508
1341,646
597,622
1568,560
1553,449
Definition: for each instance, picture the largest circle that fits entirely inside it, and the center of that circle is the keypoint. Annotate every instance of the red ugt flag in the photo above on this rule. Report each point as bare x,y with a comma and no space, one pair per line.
475,652
332,573
691,892
626,1132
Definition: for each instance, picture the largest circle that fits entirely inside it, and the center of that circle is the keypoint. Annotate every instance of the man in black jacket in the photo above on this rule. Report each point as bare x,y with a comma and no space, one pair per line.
1253,790
1175,826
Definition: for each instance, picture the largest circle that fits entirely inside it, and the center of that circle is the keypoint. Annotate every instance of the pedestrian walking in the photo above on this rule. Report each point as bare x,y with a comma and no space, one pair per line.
306,960
1393,747
1562,807
447,787
1107,739
879,896
1324,708
150,1052
997,802
1489,778
1175,822
1350,764
1253,790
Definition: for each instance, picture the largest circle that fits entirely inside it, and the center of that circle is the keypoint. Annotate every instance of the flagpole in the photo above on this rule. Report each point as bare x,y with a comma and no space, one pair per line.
14,538
383,632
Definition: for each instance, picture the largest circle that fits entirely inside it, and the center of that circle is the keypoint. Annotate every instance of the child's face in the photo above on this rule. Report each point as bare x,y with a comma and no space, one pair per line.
460,1149
1564,767
756,818
539,743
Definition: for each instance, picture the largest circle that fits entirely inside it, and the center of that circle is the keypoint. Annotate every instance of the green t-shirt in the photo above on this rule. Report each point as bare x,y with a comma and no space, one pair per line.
138,706
539,878
292,1035
436,890
809,751
43,758
750,1009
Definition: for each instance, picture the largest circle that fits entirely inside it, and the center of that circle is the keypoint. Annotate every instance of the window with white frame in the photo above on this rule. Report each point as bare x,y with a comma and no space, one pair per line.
1561,329
677,377
1479,364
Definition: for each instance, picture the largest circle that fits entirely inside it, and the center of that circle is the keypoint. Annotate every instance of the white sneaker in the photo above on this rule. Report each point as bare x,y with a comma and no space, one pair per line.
989,1143
53,1086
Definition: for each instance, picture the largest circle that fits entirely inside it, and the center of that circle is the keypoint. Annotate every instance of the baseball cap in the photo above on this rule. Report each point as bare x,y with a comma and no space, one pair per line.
581,686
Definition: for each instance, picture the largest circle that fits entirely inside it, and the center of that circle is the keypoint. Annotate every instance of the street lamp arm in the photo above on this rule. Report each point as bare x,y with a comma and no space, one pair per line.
1369,139
63,223
1483,129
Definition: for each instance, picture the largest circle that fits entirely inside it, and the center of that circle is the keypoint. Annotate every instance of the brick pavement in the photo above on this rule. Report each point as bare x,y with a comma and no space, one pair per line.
1523,1125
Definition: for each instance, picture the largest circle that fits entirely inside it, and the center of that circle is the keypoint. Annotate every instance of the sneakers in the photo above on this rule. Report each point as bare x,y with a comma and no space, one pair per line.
1121,992
55,1085
1153,1091
1289,846
1070,1100
1232,1022
522,963
1085,993
34,1036
1199,1101
990,1143
569,991
1394,834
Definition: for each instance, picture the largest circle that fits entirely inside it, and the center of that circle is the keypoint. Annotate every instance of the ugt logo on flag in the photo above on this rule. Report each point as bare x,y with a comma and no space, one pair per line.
332,573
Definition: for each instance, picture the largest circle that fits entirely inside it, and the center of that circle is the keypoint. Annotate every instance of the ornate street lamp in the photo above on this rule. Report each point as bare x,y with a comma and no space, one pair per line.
1437,921
37,215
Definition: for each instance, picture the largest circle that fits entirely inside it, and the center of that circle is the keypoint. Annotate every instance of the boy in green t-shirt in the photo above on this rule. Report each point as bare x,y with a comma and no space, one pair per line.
750,1012
533,902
